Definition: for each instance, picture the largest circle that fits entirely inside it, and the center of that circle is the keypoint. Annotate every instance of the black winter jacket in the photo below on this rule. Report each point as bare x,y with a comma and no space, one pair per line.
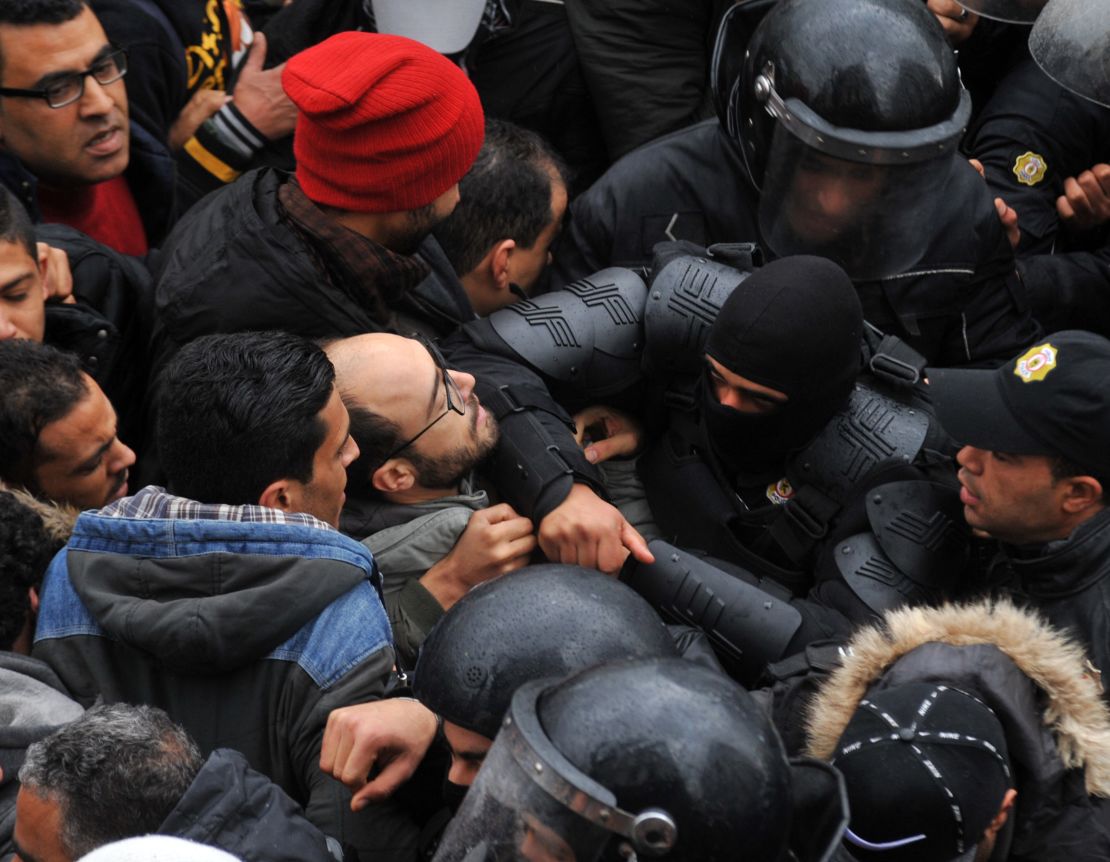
1069,582
234,264
961,303
1032,136
109,326
233,807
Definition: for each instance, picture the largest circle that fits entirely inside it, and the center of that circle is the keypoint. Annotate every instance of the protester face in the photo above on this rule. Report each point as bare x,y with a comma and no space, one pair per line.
468,752
399,379
78,458
418,223
38,829
78,144
1013,498
22,293
323,495
456,444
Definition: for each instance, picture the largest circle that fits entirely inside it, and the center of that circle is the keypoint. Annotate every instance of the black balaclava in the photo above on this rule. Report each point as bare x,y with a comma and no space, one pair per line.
453,794
795,326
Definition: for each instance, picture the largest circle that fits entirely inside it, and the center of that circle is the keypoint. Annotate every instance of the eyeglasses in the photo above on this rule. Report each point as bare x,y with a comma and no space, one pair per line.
455,401
67,88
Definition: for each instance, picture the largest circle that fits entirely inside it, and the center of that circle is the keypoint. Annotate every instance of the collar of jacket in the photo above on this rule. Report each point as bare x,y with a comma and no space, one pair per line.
1064,567
1072,707
57,518
370,273
363,516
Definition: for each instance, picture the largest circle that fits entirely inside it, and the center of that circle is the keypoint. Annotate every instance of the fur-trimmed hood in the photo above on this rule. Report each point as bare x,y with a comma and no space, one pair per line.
57,518
1073,708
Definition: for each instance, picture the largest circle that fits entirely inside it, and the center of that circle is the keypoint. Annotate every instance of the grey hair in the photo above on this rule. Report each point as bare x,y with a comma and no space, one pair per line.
115,772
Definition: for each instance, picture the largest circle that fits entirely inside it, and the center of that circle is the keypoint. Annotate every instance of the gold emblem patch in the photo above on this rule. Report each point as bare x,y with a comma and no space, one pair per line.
1029,168
1035,363
779,492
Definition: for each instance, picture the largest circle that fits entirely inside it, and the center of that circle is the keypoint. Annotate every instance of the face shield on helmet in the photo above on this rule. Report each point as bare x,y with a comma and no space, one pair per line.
862,199
530,803
1071,43
1010,11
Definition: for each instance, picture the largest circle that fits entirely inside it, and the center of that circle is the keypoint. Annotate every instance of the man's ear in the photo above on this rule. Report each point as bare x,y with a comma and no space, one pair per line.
1003,813
1081,493
394,476
499,263
33,595
281,494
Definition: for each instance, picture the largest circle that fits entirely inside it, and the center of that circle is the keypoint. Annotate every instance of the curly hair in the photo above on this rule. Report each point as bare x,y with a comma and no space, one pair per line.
25,552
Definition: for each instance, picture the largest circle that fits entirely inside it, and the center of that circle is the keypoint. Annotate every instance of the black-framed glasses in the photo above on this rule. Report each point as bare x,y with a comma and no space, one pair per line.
455,401
67,88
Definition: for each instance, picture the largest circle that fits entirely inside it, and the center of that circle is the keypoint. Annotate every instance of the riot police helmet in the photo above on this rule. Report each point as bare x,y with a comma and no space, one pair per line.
1071,43
648,759
848,115
545,620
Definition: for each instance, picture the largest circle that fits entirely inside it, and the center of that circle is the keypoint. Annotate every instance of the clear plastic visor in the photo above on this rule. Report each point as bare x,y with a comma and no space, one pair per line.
529,802
1011,11
873,219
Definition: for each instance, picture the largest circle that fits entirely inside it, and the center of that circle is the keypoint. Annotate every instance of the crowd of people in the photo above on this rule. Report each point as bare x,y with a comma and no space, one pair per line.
540,430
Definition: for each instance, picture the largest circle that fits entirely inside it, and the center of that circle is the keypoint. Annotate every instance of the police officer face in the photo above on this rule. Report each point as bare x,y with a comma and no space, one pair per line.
739,393
1016,499
830,196
468,752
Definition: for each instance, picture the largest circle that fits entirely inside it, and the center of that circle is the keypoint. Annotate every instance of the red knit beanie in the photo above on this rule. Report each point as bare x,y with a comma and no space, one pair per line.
386,124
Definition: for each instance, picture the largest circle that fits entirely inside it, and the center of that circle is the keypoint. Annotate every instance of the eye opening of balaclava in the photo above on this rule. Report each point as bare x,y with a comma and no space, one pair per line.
794,325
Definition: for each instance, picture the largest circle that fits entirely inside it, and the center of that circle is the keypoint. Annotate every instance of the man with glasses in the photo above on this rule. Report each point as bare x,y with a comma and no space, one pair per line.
411,497
67,149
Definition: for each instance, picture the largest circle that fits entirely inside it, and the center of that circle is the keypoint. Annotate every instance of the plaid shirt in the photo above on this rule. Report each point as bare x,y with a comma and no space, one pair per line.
372,275
153,503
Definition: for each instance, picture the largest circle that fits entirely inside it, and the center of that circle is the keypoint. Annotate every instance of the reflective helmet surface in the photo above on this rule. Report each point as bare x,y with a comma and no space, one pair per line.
1071,43
870,65
681,740
546,620
848,114
649,759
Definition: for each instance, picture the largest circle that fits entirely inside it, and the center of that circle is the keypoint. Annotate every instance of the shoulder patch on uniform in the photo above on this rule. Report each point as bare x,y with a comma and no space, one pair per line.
1035,363
779,492
1030,168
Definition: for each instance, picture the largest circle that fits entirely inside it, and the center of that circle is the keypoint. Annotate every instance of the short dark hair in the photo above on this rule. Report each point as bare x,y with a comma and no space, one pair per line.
41,384
376,437
25,12
506,194
25,552
15,224
1062,468
237,412
115,772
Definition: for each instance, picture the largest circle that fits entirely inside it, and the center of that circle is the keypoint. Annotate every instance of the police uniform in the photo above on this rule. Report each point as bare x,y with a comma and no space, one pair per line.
1032,136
